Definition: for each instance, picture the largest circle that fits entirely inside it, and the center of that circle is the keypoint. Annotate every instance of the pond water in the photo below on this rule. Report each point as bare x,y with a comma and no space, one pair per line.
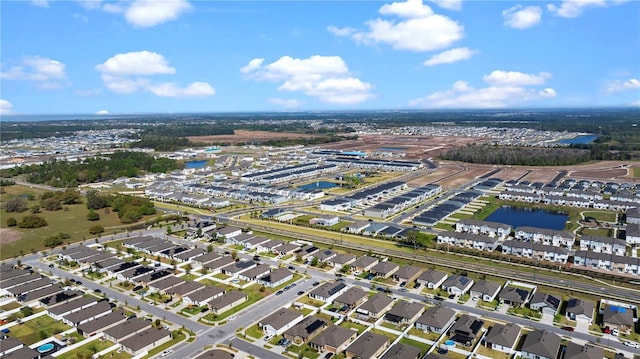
195,164
532,217
319,185
579,140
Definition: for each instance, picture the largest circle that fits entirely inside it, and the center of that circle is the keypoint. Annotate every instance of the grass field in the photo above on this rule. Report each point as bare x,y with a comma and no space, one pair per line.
72,220
89,349
37,329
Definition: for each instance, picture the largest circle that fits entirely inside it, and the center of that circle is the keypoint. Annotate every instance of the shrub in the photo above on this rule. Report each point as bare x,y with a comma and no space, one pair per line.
96,229
93,215
11,222
15,205
32,221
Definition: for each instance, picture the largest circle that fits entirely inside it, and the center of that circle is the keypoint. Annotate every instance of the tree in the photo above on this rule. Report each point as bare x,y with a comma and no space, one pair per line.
93,215
11,222
188,268
234,254
314,262
26,311
210,248
345,269
70,196
15,205
51,204
35,209
95,200
53,241
97,229
169,230
32,221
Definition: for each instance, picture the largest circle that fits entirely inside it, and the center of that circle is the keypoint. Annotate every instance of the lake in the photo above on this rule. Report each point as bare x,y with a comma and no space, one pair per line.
519,216
195,164
579,140
319,185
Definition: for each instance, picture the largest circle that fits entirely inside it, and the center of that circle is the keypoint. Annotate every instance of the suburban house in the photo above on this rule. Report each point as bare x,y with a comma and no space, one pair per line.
103,323
540,344
234,269
283,319
367,346
141,342
485,228
466,329
576,351
227,301
124,330
146,340
356,227
603,244
181,290
485,290
536,251
436,319
457,284
327,290
404,312
350,299
306,329
74,319
275,278
407,273
467,240
201,296
255,272
617,317
325,221
384,269
229,232
363,264
402,351
580,310
334,339
341,260
503,337
432,278
545,236
514,296
374,306
255,242
546,303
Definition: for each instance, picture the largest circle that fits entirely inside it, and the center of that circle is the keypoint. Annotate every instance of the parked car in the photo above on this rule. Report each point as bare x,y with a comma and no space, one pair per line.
632,344
300,292
567,328
416,285
291,268
51,265
279,292
403,284
315,284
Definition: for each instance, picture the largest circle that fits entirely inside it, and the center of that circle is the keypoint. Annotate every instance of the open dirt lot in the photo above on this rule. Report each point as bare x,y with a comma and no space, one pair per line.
8,235
413,147
249,136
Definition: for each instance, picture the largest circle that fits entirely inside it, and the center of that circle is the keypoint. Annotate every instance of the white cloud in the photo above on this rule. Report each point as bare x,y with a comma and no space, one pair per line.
515,78
496,95
574,8
102,112
47,73
410,8
136,63
548,92
40,3
149,13
341,31
253,65
419,28
288,103
635,103
6,108
450,56
113,8
449,4
326,78
519,17
619,85
169,89
129,72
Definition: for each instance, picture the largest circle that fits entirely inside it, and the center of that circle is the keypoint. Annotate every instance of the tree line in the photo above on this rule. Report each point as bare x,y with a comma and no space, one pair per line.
517,156
58,173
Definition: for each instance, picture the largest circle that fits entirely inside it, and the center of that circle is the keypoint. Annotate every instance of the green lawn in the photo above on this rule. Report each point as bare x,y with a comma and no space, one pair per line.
72,219
37,329
254,331
602,216
355,326
433,336
87,350
305,350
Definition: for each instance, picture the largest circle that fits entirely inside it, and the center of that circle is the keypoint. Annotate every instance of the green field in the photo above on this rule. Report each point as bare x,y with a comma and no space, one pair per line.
72,220
37,329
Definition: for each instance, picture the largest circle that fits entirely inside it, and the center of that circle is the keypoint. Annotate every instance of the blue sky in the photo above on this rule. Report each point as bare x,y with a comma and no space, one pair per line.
147,56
